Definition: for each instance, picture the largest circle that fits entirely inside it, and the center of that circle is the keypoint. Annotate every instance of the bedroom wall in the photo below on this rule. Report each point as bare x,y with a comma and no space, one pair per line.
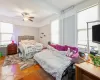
70,30
47,31
23,30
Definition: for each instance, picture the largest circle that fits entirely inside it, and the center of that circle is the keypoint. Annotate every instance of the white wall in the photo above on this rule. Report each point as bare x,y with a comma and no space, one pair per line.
47,31
68,27
22,30
70,31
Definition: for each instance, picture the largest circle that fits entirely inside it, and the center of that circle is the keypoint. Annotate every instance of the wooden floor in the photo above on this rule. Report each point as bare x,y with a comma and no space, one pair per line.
13,72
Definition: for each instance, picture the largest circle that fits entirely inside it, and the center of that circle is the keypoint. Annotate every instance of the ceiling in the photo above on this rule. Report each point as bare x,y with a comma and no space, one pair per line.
63,4
40,9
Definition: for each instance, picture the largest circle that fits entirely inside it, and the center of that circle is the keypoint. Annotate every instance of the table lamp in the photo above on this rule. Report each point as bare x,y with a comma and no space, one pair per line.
13,39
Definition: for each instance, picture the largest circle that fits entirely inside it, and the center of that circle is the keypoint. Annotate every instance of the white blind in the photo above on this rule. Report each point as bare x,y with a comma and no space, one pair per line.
55,31
90,14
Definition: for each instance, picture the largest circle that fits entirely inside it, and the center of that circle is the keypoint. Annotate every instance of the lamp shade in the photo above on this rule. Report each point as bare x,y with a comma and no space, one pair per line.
13,39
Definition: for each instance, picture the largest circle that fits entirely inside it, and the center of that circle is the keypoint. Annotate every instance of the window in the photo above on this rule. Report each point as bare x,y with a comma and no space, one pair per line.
6,31
87,15
55,32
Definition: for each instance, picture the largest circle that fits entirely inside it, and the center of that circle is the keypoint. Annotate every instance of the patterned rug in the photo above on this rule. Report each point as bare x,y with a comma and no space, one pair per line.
15,59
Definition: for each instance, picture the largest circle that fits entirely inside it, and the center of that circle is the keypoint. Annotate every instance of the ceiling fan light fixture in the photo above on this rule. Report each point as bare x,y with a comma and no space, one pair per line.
25,19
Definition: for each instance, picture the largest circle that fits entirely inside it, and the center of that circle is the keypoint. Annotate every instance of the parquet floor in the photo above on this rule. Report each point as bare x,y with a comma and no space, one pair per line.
13,72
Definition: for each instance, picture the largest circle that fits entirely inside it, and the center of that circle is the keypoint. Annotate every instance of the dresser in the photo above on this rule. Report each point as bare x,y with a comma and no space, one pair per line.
12,49
87,71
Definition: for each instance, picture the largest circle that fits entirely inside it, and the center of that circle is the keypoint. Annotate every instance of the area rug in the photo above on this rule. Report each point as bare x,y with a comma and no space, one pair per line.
15,59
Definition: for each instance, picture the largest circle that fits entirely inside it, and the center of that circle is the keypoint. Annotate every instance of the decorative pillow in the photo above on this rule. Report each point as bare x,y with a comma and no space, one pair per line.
74,49
72,52
69,53
76,55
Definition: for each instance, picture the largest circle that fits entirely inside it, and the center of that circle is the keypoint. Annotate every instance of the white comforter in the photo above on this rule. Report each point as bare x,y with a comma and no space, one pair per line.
28,50
53,62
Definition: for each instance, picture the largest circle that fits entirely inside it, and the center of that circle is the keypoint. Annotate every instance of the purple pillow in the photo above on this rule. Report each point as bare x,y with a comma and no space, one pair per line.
60,48
52,45
65,48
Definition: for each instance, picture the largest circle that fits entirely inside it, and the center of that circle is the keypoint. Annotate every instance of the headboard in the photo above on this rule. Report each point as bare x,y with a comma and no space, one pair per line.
25,38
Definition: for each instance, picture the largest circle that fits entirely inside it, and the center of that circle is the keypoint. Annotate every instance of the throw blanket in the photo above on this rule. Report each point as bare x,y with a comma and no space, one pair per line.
53,62
27,51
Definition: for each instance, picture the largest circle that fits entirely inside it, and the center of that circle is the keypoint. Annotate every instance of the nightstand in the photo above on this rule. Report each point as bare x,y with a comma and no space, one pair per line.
12,49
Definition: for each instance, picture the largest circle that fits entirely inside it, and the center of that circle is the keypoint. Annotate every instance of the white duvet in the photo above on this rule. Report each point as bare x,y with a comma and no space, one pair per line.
28,50
53,62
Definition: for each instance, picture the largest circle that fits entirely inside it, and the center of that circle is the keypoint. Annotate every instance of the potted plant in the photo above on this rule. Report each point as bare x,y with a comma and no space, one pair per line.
1,54
95,60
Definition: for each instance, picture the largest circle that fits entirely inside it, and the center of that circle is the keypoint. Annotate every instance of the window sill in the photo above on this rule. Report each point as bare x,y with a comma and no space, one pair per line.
3,46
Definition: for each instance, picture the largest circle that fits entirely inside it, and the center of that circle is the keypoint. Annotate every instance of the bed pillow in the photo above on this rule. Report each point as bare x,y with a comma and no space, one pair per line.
76,55
66,47
24,41
69,53
32,42
60,48
72,52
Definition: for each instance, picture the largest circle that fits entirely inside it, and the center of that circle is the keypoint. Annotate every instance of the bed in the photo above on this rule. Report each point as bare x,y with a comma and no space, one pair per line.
27,46
54,62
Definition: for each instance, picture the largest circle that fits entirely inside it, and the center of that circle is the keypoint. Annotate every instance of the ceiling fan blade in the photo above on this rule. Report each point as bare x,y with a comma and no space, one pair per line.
22,14
31,17
30,20
25,14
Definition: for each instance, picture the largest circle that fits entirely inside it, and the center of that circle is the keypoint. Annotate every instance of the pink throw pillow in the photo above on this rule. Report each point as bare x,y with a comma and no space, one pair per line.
76,55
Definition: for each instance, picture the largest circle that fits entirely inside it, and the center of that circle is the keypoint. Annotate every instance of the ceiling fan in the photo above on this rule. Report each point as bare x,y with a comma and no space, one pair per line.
27,17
